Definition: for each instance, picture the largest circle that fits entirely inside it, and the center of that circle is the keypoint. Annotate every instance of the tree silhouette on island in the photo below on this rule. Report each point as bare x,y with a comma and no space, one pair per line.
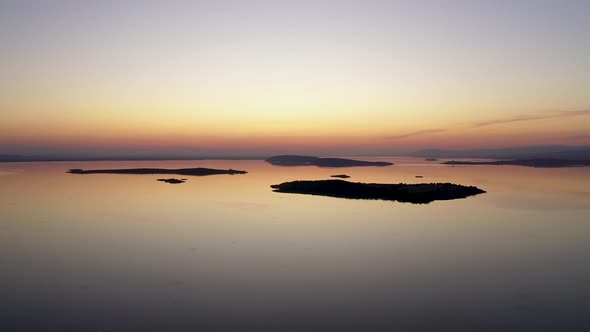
412,193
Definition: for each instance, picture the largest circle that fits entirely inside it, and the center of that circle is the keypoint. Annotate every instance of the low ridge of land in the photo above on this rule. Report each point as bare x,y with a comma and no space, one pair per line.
180,171
294,160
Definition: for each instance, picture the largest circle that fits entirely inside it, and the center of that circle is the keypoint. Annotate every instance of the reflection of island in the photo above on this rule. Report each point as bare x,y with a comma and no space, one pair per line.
412,193
526,162
341,176
181,171
292,160
173,180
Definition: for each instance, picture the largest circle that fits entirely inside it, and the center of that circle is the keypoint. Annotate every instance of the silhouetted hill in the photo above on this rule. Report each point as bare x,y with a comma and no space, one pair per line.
412,193
181,171
294,160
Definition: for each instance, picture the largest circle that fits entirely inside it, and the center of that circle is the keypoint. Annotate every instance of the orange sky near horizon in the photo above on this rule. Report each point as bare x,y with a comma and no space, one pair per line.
565,131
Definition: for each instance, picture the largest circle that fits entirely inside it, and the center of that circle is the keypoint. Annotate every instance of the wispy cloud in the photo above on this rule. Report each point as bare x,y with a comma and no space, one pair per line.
522,118
519,118
417,133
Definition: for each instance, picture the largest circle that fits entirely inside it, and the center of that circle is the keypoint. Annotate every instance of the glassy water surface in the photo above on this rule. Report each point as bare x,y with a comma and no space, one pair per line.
110,252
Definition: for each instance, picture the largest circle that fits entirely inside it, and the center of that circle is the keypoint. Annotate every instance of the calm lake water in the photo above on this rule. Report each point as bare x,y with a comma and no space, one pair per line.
109,252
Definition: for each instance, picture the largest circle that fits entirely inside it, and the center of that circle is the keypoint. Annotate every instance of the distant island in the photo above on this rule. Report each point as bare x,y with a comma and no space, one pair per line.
341,176
180,171
294,160
430,159
539,162
173,180
411,193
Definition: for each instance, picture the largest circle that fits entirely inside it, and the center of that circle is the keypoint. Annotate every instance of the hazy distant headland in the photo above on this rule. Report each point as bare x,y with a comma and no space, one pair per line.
546,163
531,156
562,152
295,160
411,193
180,171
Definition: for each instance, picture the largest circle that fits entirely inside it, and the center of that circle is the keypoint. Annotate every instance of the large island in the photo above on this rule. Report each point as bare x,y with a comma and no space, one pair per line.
294,160
411,193
179,171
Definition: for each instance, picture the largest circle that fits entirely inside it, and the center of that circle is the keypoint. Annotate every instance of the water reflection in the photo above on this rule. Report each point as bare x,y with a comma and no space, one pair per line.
127,253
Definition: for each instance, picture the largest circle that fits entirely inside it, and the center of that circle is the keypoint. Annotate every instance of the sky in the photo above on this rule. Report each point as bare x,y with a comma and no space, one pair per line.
267,77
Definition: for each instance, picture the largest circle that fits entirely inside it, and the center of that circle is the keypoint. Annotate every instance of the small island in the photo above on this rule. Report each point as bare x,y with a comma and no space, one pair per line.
341,176
430,159
412,193
173,180
294,160
180,171
545,162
